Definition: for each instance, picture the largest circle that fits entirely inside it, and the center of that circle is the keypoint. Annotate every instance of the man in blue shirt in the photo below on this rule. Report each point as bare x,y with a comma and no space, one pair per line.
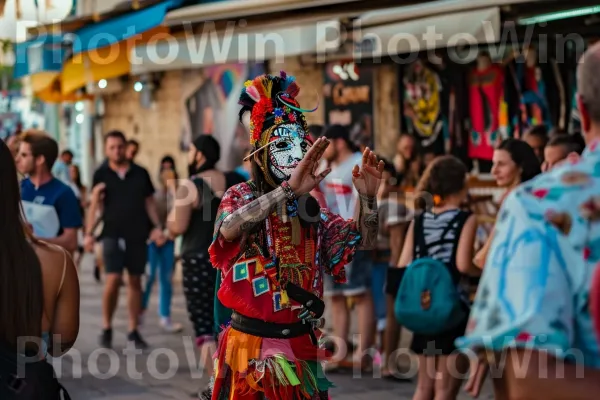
50,206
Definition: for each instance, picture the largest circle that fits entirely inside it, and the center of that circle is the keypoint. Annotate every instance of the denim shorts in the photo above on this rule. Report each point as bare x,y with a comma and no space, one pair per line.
358,277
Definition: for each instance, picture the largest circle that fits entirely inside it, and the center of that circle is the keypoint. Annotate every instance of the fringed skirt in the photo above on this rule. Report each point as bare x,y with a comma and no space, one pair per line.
249,367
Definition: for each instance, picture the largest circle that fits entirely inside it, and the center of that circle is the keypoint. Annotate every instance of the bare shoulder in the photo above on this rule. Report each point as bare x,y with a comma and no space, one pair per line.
52,258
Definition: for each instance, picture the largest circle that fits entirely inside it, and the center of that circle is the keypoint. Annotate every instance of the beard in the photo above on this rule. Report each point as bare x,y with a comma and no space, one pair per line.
192,169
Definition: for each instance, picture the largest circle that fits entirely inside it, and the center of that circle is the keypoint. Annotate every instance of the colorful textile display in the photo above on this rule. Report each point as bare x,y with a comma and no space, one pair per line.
486,93
256,358
426,107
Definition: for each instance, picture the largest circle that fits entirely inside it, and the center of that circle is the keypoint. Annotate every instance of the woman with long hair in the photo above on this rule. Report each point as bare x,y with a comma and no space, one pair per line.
39,292
161,254
514,163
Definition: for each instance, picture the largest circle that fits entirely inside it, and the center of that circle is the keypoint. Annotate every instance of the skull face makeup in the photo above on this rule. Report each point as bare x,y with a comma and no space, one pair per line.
288,146
276,123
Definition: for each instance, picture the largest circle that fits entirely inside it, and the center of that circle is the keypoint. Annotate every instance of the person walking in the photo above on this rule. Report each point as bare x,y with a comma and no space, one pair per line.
39,291
50,205
161,254
131,220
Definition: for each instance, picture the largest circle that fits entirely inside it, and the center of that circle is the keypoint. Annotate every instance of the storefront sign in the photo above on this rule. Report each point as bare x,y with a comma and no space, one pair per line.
348,93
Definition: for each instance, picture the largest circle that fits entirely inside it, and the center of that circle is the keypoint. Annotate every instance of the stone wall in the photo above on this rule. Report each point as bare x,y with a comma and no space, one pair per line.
159,128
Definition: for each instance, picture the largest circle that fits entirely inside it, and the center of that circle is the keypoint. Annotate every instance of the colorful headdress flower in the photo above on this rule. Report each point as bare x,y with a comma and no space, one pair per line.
271,101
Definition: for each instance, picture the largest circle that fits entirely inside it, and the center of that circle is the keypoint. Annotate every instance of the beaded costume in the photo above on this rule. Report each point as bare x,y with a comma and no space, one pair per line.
262,267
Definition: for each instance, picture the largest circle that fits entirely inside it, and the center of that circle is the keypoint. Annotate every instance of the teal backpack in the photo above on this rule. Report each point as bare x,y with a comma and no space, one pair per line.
429,301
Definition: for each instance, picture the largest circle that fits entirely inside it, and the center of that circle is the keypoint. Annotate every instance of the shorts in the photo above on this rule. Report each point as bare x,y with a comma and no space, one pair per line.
358,277
392,281
119,254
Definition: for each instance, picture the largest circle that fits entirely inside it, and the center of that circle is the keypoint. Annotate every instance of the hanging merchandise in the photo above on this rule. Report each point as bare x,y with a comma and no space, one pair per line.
533,89
486,96
426,106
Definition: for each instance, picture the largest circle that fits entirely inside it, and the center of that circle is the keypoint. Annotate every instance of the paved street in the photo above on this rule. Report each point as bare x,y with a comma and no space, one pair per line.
166,370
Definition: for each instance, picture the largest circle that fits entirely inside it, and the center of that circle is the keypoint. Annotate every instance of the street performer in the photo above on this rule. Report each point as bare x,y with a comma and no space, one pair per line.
273,244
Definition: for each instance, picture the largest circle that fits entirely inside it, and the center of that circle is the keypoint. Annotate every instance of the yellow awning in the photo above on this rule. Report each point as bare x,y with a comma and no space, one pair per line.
90,67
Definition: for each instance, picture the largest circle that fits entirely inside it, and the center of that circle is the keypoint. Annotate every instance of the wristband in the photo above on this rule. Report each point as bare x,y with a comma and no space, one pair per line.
287,189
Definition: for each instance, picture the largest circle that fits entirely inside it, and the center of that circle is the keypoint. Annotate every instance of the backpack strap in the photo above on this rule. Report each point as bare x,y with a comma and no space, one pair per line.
419,245
461,218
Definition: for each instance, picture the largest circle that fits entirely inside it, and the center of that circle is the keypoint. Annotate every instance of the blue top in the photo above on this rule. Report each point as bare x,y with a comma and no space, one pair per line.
535,286
50,208
61,171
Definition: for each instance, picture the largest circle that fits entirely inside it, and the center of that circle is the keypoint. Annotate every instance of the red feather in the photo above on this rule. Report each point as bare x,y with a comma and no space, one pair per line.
293,90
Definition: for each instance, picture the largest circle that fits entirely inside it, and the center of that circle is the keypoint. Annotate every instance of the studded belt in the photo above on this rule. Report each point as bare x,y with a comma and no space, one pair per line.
271,330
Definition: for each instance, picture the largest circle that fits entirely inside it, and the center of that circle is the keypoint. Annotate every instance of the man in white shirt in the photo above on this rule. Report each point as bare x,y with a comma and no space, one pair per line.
341,198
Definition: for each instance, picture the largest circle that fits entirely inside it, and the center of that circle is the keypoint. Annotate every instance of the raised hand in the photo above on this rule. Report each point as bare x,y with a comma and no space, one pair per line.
367,177
303,179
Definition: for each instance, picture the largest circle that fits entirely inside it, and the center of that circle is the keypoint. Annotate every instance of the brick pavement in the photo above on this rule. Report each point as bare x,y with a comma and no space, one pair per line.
113,377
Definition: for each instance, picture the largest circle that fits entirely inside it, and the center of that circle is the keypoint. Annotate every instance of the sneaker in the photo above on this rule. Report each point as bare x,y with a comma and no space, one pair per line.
137,340
170,327
106,339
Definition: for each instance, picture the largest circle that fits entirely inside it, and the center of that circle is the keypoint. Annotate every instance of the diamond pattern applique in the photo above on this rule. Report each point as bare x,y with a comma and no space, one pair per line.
258,267
240,272
277,302
260,286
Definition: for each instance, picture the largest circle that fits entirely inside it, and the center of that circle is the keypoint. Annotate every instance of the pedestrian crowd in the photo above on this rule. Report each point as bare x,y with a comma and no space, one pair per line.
528,288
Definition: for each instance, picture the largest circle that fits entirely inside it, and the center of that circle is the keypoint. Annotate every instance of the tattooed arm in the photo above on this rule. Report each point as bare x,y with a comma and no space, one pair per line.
368,221
248,216
301,181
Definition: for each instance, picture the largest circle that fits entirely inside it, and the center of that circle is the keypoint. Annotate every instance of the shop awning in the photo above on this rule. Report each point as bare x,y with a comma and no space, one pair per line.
242,8
105,63
433,9
121,28
41,54
269,42
436,24
49,52
448,30
91,66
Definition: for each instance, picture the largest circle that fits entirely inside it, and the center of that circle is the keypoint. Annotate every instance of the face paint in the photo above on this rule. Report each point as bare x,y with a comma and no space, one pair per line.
285,154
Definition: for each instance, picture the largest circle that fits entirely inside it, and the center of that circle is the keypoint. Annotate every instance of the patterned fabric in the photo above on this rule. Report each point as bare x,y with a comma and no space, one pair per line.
199,287
254,270
249,274
536,283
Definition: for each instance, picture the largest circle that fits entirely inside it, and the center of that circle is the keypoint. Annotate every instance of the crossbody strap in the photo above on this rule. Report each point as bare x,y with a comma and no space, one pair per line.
419,246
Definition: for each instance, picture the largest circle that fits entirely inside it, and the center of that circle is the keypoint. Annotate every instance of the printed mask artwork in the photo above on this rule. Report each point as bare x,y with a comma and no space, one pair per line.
288,147
422,102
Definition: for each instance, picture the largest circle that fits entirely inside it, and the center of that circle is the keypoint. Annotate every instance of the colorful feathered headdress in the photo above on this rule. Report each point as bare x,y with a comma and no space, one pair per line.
271,101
